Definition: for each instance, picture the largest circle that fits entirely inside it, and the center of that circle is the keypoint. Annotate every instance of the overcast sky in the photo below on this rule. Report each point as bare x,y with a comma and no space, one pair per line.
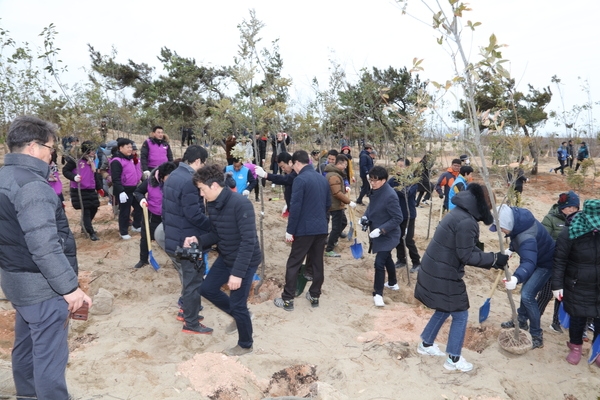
544,38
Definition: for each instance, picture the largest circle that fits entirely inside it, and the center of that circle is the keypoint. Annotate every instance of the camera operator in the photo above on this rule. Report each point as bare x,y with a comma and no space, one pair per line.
233,229
183,215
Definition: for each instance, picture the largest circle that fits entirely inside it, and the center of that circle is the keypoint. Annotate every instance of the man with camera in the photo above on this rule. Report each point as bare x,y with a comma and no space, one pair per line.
183,215
233,230
38,260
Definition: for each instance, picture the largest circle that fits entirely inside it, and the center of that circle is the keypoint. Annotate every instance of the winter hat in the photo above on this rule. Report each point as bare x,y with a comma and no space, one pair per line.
568,199
505,217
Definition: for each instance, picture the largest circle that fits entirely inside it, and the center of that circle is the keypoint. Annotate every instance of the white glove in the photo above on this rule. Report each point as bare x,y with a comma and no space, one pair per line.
146,174
352,204
347,189
143,203
375,233
558,294
512,284
77,178
284,209
260,172
508,252
289,238
245,193
123,197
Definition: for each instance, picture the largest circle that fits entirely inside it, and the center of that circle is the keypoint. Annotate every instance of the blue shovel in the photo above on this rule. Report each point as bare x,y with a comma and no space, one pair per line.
595,352
563,316
153,261
484,310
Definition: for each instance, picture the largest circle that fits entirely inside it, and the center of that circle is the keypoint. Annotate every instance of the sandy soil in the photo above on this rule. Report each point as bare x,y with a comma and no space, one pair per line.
345,349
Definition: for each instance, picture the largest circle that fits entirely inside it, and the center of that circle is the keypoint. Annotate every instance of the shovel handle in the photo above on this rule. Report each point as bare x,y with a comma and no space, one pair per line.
495,283
145,210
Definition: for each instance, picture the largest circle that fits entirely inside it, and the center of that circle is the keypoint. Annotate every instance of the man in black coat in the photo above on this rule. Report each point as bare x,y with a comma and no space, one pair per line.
183,215
233,230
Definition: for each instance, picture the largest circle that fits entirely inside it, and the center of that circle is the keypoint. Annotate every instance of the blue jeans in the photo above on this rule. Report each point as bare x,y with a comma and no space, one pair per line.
529,308
456,337
41,351
383,262
236,304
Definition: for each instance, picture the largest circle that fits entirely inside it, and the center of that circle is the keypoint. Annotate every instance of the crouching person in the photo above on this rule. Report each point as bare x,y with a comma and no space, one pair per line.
233,229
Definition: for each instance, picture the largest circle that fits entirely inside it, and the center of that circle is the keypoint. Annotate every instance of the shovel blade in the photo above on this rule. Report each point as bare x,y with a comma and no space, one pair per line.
563,317
595,352
357,250
484,311
153,261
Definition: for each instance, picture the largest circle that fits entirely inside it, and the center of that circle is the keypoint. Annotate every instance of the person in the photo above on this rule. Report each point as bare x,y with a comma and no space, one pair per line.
562,158
365,163
125,176
346,150
383,216
445,181
570,154
155,151
576,275
230,142
39,262
183,215
279,145
233,230
261,143
103,131
440,284
516,182
85,182
465,175
535,247
568,203
406,198
149,194
331,155
306,230
284,162
582,154
425,187
242,175
54,177
335,177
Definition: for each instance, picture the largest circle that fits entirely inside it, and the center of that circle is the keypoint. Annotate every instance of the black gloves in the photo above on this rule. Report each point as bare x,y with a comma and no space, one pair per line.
441,196
500,260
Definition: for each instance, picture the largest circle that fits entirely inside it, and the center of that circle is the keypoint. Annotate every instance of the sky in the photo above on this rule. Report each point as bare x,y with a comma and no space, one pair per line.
543,38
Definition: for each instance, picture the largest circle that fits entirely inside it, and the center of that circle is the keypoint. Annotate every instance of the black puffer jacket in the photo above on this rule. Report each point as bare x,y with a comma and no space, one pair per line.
233,230
577,272
88,196
440,282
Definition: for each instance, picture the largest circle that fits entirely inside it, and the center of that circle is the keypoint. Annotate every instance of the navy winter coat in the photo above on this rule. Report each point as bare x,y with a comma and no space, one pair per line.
182,208
311,198
385,213
532,242
406,197
365,162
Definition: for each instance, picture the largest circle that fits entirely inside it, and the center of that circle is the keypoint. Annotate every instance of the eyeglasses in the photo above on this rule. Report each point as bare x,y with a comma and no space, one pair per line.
42,144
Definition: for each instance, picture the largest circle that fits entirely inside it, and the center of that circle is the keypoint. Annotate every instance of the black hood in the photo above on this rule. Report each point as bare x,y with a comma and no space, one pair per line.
473,201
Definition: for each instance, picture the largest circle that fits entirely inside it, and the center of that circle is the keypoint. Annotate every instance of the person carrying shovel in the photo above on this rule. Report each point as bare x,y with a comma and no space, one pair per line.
440,284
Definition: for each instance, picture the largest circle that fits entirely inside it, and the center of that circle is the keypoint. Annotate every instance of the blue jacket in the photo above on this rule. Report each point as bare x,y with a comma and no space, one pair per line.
285,180
384,213
182,208
459,185
406,197
311,198
532,242
562,153
365,163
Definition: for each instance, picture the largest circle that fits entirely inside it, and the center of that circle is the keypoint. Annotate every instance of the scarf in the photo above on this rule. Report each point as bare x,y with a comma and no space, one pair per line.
587,220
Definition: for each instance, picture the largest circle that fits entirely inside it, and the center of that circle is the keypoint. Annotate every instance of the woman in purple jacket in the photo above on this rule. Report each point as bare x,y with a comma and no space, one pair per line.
149,194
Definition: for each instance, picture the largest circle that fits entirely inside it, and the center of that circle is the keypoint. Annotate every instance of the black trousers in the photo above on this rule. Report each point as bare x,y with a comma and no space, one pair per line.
153,221
424,191
88,216
364,188
302,246
561,167
125,213
338,224
408,226
578,325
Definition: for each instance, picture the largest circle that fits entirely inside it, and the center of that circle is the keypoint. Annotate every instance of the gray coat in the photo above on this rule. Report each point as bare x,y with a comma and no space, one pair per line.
440,282
37,248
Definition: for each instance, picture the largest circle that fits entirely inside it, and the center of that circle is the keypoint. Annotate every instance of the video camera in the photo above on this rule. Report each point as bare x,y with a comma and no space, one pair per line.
366,224
193,253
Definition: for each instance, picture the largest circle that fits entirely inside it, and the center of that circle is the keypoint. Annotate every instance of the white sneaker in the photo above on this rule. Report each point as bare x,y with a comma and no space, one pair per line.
136,229
461,365
378,299
125,237
272,185
394,287
430,351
